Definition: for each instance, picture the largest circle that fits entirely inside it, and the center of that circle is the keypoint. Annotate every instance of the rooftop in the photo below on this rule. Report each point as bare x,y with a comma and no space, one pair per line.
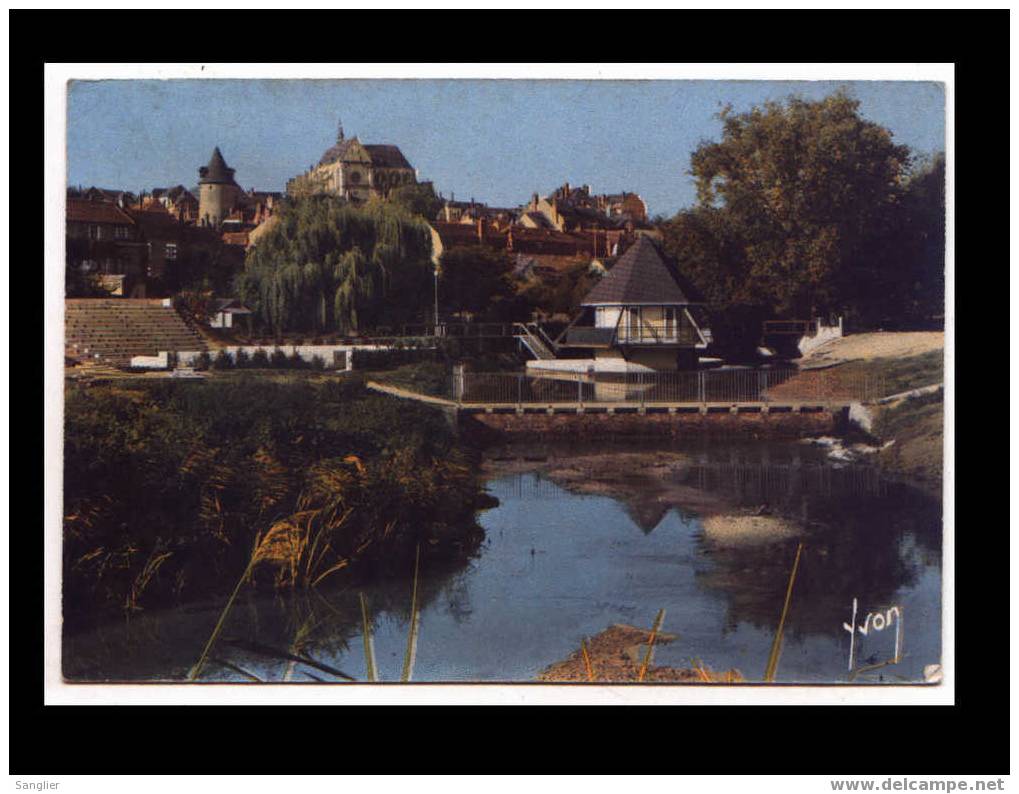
86,211
640,276
217,171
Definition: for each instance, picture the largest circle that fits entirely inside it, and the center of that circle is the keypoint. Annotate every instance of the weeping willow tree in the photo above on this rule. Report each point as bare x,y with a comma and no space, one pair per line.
327,265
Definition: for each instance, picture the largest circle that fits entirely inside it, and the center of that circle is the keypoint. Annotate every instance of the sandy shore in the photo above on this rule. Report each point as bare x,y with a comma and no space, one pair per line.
880,344
615,656
748,530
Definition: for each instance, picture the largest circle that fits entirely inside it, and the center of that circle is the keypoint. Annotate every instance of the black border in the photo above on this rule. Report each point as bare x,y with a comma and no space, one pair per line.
683,740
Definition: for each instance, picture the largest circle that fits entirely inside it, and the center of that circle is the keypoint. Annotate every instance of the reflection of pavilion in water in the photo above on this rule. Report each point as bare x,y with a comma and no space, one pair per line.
750,483
754,483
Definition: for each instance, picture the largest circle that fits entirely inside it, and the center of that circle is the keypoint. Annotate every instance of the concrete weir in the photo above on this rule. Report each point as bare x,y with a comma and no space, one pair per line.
752,422
578,420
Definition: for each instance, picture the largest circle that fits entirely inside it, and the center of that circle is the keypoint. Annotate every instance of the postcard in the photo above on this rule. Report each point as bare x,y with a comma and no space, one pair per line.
502,381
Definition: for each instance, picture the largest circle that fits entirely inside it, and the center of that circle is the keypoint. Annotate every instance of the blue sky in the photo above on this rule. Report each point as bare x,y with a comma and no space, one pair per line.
497,141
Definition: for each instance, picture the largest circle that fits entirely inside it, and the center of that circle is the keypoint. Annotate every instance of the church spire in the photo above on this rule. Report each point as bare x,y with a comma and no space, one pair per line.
339,131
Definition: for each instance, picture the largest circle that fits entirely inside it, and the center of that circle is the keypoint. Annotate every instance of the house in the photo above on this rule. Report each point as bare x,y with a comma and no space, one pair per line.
104,239
161,232
638,317
178,201
122,198
225,310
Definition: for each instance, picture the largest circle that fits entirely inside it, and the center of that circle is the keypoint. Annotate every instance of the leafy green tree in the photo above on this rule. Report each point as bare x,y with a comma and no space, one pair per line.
807,191
329,265
472,278
923,216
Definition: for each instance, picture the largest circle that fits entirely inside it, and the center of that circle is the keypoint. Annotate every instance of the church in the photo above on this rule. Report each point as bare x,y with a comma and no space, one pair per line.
356,171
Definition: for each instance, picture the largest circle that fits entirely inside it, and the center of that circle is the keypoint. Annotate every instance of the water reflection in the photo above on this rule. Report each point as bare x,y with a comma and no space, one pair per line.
580,545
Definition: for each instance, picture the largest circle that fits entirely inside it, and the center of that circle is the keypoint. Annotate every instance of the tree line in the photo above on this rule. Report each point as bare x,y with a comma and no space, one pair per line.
805,208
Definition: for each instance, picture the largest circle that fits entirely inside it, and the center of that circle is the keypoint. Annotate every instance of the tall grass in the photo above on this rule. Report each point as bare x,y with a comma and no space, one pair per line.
651,644
371,667
776,645
412,629
369,643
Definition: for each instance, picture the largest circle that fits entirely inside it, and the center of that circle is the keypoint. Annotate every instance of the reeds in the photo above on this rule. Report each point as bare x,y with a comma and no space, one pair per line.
369,642
587,659
410,654
651,644
776,645
412,630
197,669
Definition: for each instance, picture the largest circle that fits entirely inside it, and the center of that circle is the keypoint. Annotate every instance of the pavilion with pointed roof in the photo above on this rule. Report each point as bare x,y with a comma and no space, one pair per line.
636,318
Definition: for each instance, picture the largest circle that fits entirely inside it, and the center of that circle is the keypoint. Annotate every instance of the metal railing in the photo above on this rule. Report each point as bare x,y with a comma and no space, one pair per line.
791,327
729,387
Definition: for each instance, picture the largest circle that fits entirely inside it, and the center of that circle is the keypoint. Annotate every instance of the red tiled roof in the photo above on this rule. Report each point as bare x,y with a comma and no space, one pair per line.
235,238
85,211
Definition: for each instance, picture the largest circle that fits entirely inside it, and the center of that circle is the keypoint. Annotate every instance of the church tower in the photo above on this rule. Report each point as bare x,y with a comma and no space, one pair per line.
218,194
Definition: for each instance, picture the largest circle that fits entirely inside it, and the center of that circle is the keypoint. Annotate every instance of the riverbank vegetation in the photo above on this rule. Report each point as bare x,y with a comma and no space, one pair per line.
909,430
168,484
916,427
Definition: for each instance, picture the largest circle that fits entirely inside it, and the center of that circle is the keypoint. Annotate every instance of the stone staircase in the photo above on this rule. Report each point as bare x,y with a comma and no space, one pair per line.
535,341
112,331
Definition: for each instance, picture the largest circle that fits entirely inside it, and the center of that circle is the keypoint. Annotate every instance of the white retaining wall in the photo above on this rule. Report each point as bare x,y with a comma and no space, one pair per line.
160,361
307,352
824,335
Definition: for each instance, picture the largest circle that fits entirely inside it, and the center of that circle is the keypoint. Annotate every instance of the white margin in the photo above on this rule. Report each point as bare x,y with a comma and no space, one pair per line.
57,692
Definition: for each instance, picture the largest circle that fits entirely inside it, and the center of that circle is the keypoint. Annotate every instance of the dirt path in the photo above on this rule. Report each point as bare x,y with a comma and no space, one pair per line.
404,394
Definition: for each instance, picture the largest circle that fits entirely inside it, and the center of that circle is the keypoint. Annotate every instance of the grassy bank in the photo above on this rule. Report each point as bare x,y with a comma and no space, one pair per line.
168,484
917,428
914,425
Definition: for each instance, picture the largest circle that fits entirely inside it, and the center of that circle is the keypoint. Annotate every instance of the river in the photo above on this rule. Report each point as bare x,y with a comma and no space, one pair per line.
587,537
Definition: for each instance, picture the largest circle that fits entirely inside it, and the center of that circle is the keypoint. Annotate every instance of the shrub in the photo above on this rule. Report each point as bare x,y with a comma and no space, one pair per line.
204,361
260,359
278,359
241,359
295,361
223,360
318,363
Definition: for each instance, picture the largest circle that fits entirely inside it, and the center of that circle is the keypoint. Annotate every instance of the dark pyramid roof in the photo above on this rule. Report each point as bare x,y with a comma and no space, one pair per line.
386,156
217,171
640,276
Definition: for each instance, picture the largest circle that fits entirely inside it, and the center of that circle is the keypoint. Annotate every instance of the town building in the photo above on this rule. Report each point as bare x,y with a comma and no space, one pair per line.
570,209
355,171
544,254
103,240
122,198
470,212
178,201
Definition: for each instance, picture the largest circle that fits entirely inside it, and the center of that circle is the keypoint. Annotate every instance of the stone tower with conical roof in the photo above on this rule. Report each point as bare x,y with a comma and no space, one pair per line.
218,193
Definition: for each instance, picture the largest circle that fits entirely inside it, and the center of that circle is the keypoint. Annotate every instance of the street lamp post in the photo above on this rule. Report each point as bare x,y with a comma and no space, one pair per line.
435,272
